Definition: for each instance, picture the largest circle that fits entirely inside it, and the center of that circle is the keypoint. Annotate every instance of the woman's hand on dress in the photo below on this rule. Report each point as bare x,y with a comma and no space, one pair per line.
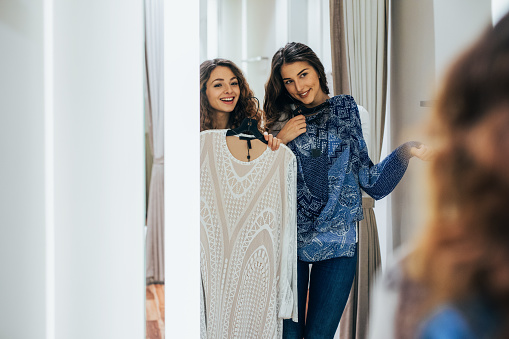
422,152
292,129
272,141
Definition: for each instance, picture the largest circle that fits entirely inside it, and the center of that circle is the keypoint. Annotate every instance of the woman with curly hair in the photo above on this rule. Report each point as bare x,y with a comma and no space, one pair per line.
463,257
226,99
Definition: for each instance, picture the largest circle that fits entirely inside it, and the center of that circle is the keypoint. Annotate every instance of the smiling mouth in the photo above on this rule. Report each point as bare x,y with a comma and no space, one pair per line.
305,94
227,100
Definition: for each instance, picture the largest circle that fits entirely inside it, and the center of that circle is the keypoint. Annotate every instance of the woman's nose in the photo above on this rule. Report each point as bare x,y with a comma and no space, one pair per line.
298,86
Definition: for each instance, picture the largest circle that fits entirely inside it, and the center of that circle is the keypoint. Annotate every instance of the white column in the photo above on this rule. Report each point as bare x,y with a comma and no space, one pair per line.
181,170
72,174
98,169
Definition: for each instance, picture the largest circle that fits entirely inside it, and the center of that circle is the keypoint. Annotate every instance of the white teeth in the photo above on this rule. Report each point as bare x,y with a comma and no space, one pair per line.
227,99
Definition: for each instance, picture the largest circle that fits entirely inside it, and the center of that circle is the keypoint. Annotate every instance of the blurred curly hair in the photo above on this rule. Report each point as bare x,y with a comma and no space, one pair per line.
469,221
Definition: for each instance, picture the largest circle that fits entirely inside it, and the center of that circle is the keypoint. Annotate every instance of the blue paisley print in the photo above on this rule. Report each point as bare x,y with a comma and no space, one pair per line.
332,167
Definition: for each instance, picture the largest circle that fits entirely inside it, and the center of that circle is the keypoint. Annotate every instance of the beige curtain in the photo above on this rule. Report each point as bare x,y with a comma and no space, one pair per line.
154,71
149,155
338,48
354,321
359,32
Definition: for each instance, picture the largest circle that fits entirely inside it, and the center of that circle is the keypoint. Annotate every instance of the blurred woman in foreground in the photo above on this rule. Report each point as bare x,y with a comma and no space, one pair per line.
462,260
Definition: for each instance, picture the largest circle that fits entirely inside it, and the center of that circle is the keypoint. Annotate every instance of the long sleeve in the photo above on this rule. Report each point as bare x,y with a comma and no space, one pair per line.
288,283
379,180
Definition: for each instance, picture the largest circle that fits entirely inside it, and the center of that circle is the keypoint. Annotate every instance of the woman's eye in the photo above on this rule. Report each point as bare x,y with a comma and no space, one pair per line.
287,82
234,83
217,85
303,75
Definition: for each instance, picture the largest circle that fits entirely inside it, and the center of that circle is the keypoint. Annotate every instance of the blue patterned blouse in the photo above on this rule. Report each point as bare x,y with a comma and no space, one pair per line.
332,167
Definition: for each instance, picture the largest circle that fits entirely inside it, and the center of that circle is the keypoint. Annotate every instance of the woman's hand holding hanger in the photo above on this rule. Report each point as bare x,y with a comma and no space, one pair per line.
272,141
292,129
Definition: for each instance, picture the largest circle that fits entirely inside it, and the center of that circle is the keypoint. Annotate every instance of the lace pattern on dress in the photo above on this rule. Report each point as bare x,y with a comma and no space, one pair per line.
248,241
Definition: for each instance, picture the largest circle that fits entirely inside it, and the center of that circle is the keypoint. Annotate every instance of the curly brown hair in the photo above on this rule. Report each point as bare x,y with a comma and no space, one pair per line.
245,106
465,245
277,99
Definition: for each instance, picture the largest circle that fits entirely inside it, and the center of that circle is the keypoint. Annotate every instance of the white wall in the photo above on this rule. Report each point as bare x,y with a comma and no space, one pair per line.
72,194
203,30
243,31
298,21
426,35
22,209
457,24
260,24
411,81
230,31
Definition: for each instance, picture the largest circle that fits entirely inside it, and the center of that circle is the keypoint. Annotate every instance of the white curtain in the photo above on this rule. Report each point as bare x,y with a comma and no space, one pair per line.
366,48
365,30
154,69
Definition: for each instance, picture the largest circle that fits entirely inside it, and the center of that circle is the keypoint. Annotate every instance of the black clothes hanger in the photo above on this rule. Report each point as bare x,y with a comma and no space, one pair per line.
249,127
301,109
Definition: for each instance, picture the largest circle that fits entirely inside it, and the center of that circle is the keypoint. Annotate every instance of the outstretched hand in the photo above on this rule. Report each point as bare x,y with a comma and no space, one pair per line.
272,141
422,152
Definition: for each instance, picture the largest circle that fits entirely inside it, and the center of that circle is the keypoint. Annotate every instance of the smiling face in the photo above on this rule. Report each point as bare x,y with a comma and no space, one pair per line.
302,83
223,90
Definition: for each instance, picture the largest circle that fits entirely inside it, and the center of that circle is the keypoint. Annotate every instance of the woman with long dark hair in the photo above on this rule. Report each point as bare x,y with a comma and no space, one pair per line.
333,165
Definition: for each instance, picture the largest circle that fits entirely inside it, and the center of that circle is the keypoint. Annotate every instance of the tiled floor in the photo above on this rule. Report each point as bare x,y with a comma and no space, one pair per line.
154,306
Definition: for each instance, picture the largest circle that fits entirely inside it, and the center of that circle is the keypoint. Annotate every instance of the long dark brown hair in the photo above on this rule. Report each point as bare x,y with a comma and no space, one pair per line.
277,99
468,229
245,106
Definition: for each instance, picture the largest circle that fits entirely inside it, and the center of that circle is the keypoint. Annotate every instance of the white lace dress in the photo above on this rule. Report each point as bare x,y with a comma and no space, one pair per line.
248,241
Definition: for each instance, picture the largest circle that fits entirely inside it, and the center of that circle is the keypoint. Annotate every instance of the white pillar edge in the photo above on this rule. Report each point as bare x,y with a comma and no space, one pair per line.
498,9
49,161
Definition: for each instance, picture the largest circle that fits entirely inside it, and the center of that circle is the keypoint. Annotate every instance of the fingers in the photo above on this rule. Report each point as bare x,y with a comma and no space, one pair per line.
299,118
423,152
292,129
301,127
278,142
297,126
273,142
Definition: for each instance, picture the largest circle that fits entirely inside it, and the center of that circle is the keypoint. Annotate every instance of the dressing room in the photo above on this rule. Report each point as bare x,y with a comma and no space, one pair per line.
318,169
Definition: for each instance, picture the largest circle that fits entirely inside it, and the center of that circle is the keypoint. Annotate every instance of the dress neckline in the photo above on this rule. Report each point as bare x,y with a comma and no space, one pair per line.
230,155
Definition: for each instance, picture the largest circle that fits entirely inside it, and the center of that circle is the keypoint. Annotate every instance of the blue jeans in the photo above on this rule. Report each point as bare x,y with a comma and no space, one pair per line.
329,287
